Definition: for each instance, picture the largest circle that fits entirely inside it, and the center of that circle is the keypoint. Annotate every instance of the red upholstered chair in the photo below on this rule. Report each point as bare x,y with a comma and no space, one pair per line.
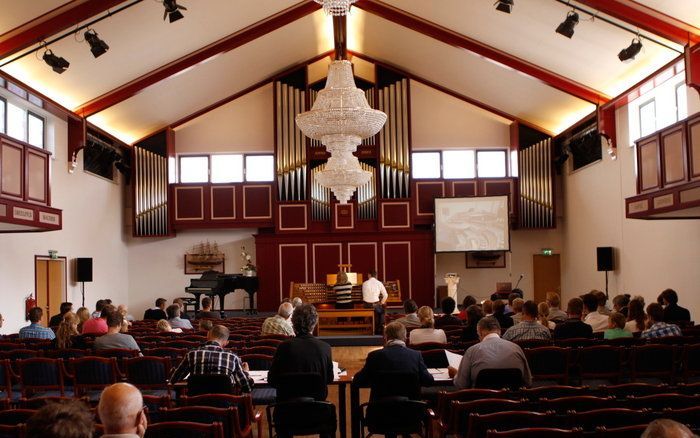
13,431
266,342
600,362
553,391
15,416
429,346
41,375
260,349
612,417
184,429
148,373
92,374
620,432
445,400
434,358
549,363
175,354
5,380
653,360
228,417
626,390
691,362
688,416
579,403
457,421
40,402
539,432
247,416
507,420
257,361
658,402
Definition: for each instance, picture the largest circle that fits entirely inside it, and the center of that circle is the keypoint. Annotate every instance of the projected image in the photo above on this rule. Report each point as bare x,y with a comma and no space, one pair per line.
471,224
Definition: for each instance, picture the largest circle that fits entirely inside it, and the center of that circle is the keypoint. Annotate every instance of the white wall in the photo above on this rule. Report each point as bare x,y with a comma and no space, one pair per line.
92,227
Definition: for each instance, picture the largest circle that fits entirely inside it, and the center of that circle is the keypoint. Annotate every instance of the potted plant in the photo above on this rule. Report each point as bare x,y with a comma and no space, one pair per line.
248,267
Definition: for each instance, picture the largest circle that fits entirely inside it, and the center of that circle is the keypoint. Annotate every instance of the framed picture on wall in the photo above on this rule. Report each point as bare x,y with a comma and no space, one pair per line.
485,259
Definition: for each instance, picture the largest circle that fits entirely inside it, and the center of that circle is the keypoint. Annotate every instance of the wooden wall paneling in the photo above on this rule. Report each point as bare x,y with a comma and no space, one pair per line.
36,177
363,257
693,143
222,201
395,215
11,170
396,262
423,270
499,187
257,201
293,266
425,194
344,216
189,203
325,258
648,164
292,217
673,153
464,189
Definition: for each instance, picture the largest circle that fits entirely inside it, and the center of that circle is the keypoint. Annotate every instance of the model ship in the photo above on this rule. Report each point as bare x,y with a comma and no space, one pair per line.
205,255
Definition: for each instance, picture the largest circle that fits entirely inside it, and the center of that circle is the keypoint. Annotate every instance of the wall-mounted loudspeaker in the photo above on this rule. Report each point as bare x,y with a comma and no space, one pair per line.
83,269
605,258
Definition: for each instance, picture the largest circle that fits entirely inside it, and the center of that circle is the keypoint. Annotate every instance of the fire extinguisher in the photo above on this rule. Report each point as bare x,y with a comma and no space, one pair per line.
29,303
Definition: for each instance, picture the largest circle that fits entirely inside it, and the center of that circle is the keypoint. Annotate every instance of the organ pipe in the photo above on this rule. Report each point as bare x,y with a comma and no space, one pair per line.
394,144
536,186
150,193
291,145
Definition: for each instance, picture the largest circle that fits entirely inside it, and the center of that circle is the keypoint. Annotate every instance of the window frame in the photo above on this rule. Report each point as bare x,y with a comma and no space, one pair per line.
439,152
675,98
4,115
31,113
442,164
179,168
209,160
505,161
257,154
639,116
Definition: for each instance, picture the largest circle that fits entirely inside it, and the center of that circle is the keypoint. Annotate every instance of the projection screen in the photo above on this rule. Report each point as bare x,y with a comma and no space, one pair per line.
472,224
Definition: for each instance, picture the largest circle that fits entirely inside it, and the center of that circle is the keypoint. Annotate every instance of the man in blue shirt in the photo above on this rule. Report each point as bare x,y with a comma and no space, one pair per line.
36,330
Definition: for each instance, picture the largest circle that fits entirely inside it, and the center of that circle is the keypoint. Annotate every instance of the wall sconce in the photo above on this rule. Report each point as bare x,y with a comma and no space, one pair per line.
74,160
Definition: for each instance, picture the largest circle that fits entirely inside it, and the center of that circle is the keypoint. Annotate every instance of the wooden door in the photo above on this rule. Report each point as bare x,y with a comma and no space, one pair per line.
546,274
50,288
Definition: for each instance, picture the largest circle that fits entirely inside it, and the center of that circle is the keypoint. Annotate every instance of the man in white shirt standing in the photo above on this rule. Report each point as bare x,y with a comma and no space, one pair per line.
374,295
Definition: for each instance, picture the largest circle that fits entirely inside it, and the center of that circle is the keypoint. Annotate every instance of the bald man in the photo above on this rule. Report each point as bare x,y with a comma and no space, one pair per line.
664,428
121,411
279,324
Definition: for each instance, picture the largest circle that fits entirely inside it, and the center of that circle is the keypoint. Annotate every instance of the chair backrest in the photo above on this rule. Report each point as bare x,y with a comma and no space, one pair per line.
611,417
41,374
600,361
533,343
243,404
268,341
620,432
173,353
5,379
445,398
507,420
16,416
184,429
653,360
689,416
691,361
429,346
261,349
553,391
499,378
14,431
117,353
228,417
198,384
578,402
549,363
458,417
311,417
155,402
40,402
658,402
291,386
435,358
257,361
403,417
148,372
92,372
395,384
636,389
540,432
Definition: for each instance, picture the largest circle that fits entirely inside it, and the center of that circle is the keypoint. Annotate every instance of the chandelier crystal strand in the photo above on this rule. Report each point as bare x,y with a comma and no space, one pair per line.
340,119
336,7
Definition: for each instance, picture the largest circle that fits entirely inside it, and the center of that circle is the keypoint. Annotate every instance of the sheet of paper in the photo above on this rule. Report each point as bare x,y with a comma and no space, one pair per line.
453,359
259,376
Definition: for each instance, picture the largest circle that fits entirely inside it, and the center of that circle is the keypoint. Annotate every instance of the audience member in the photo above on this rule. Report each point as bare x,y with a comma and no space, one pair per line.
65,419
474,315
447,319
204,325
573,327
491,352
427,331
206,311
2,320
56,319
636,318
374,295
99,305
180,302
616,327
602,302
509,307
621,303
394,357
124,310
67,334
597,321
665,428
35,330
487,307
504,320
672,311
303,353
113,338
163,326
296,302
158,312
529,328
543,316
175,319
343,291
517,307
466,302
410,319
555,313
211,358
279,324
657,328
122,412
98,326
83,315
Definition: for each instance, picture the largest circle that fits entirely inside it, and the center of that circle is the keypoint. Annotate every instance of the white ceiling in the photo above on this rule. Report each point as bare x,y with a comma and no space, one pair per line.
140,42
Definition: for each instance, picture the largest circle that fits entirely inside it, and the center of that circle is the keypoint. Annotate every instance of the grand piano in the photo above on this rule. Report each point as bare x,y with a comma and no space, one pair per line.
213,283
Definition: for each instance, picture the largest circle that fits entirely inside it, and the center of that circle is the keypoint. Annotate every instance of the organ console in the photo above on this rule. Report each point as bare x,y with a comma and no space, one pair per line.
213,283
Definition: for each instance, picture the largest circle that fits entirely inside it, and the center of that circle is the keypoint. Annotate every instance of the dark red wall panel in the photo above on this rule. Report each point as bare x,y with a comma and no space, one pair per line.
395,215
463,189
363,257
325,258
293,266
396,258
292,217
257,202
189,202
223,202
343,216
425,194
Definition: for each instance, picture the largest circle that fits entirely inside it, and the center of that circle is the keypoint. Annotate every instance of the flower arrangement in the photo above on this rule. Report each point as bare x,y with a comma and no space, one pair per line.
247,260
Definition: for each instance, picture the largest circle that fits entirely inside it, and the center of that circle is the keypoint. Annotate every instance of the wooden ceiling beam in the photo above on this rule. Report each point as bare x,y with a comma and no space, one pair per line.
204,54
455,39
55,21
648,19
340,37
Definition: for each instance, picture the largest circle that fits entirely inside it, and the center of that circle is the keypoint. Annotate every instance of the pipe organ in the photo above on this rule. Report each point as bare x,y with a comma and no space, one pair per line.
320,197
394,140
367,195
290,155
536,186
150,180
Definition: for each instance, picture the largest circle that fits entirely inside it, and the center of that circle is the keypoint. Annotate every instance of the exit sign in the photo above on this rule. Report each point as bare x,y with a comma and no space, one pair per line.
547,251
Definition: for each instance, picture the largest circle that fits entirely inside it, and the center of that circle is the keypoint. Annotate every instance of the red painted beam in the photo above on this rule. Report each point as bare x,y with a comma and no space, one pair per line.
648,19
51,23
204,54
455,39
692,67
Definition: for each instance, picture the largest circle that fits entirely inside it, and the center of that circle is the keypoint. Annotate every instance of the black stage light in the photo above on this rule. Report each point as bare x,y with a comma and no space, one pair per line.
628,53
97,46
566,28
504,6
172,10
57,63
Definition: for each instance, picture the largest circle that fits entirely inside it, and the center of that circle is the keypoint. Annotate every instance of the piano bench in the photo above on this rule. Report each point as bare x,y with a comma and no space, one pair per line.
189,301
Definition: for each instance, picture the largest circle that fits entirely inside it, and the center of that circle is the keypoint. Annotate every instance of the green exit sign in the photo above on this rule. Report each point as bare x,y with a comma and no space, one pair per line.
547,251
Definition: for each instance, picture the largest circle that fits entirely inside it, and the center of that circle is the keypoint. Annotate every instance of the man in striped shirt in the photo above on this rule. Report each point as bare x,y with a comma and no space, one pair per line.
657,327
211,358
35,330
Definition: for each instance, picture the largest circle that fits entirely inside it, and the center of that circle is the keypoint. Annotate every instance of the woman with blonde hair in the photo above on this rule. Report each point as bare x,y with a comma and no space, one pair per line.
67,334
83,315
163,326
543,316
343,291
427,331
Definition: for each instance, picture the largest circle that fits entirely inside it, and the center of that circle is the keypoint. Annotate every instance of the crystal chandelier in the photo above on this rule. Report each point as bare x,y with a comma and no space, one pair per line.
340,119
336,7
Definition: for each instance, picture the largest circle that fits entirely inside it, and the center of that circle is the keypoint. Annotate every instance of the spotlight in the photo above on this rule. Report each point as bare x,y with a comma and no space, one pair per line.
566,28
504,6
57,63
97,46
172,10
628,53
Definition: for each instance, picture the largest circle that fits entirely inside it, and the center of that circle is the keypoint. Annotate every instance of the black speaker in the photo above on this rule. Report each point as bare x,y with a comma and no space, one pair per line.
605,258
83,269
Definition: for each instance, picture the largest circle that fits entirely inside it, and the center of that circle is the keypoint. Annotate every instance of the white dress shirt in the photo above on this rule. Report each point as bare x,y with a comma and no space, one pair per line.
598,321
371,288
